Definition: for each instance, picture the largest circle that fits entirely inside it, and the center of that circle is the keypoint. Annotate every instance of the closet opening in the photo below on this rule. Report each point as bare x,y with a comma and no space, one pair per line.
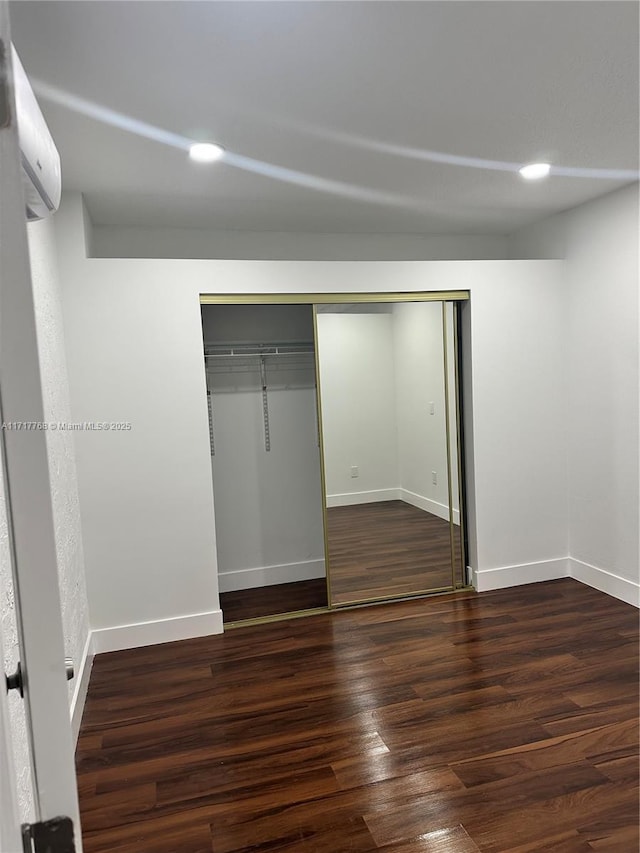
336,449
265,459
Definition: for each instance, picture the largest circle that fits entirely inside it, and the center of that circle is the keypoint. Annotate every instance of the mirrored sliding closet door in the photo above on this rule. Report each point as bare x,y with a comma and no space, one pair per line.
389,417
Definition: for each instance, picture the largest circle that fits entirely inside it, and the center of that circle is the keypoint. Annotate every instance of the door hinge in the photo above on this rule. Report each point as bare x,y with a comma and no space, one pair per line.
49,836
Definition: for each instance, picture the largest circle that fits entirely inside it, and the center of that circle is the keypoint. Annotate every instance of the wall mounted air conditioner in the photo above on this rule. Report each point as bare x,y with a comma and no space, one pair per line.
41,175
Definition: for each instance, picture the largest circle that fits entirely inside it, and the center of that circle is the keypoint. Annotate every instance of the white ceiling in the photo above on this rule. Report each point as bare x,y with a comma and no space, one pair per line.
328,110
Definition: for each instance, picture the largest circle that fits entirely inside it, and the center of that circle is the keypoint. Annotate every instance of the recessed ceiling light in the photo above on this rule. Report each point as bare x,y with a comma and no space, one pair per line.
205,152
535,171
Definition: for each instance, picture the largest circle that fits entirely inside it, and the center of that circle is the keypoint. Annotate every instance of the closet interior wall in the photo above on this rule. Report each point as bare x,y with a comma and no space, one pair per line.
267,485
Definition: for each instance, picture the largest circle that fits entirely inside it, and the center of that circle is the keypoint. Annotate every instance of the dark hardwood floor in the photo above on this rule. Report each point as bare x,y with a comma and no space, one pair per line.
387,549
499,722
272,600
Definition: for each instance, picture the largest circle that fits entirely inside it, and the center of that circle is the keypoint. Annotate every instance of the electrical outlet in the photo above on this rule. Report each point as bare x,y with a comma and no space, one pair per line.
434,478
432,408
354,471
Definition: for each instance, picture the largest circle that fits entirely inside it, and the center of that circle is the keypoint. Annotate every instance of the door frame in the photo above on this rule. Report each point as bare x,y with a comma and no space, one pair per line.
313,299
9,819
27,488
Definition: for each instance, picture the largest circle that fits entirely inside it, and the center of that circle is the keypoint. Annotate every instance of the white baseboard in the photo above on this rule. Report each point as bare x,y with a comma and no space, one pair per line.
428,505
159,631
605,581
545,570
371,497
270,575
82,676
399,494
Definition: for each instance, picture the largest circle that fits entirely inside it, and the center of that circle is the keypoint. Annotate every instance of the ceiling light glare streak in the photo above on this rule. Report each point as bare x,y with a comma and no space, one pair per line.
158,134
501,165
442,157
602,174
148,131
535,171
325,185
205,152
425,154
109,116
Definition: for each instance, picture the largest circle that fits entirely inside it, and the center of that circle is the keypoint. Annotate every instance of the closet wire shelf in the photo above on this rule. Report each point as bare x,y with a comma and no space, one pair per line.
234,367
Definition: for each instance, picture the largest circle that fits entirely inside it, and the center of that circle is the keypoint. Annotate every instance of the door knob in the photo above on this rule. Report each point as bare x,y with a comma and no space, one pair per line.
15,681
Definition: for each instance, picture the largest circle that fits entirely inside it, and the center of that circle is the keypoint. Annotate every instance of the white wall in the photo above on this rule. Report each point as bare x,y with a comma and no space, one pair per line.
135,353
268,503
134,242
600,241
519,416
419,375
357,383
62,461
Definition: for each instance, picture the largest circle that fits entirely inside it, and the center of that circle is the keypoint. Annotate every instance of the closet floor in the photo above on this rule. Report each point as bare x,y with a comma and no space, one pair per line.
272,600
387,549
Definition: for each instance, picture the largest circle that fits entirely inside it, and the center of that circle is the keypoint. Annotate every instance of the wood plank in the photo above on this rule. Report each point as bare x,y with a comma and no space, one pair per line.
387,549
274,599
448,725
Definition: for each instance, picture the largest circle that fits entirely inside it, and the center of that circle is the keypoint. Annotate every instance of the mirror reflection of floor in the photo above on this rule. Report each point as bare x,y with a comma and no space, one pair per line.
387,549
377,550
273,600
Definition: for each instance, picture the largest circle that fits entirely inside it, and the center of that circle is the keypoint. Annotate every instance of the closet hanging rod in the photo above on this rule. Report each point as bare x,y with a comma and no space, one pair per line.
258,350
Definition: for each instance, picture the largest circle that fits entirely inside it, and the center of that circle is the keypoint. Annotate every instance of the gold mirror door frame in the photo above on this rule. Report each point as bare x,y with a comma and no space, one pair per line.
388,391
452,397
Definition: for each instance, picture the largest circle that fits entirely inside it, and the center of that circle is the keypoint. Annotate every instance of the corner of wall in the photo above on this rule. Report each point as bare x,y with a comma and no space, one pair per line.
70,226
82,677
545,239
618,587
87,225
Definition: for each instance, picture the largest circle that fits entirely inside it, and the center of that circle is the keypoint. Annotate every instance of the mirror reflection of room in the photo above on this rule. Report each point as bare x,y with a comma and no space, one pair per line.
265,457
391,475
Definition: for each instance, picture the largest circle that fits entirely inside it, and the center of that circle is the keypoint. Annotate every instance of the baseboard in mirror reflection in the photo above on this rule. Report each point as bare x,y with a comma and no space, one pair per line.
366,497
428,505
399,494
